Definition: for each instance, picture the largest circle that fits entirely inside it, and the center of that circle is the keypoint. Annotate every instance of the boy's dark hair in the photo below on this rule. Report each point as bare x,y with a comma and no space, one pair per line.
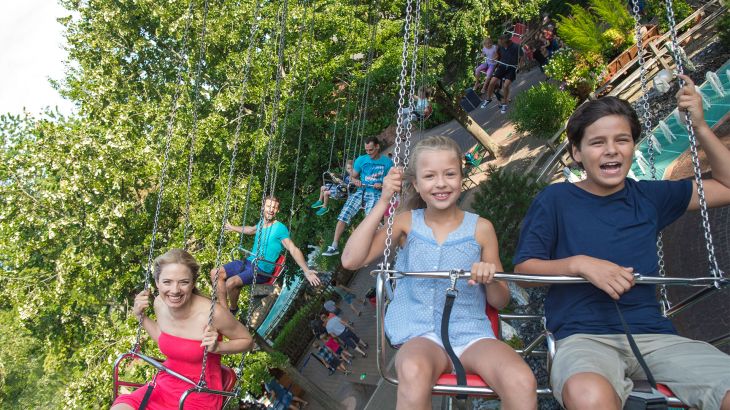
593,111
373,140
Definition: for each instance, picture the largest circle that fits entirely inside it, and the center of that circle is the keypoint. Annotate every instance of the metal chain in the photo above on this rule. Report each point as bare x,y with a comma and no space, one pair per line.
334,136
283,12
398,129
369,64
414,66
165,162
287,110
301,118
194,131
234,153
709,245
646,116
424,58
262,114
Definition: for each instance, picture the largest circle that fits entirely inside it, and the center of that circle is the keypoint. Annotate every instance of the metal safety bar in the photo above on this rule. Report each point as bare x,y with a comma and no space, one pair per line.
558,279
385,275
160,367
198,389
257,260
382,277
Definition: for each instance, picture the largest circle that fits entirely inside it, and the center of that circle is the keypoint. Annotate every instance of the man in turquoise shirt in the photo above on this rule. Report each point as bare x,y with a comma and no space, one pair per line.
275,236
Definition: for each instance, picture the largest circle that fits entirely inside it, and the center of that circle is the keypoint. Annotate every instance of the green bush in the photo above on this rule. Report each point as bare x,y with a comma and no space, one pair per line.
578,73
581,31
657,8
504,199
297,327
542,110
607,31
256,369
615,13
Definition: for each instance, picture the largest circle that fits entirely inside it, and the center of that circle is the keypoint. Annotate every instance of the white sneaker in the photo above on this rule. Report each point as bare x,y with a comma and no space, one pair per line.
331,251
485,103
503,108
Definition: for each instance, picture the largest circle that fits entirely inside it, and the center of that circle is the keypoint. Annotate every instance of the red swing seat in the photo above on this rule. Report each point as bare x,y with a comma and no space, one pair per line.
472,380
228,376
278,269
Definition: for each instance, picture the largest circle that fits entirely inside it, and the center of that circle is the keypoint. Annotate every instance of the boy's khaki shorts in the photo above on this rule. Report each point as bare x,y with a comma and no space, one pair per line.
697,372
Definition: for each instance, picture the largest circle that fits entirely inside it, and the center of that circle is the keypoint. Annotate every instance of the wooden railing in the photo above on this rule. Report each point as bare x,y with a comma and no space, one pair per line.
708,13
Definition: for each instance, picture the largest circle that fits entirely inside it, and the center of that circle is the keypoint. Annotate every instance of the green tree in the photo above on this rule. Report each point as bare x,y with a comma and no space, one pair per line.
79,192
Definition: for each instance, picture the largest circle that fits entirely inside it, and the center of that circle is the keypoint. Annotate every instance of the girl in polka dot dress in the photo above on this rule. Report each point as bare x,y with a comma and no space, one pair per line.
434,234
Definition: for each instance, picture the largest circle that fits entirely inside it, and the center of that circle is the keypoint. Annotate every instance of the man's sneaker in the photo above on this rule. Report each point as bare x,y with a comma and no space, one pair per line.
317,204
322,211
503,108
331,251
485,103
498,95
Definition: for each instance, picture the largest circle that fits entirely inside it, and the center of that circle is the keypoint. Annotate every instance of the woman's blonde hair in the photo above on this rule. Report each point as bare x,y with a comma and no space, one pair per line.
410,199
176,255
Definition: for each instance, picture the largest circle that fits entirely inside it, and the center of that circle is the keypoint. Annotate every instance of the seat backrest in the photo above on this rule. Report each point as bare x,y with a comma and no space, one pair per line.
493,315
229,378
278,268
520,28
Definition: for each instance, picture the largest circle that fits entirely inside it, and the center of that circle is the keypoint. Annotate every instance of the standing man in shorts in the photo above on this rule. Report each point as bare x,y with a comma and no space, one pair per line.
506,72
368,174
271,238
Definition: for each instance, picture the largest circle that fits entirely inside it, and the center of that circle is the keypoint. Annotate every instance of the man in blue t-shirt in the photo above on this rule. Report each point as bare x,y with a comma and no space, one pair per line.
271,238
604,229
368,173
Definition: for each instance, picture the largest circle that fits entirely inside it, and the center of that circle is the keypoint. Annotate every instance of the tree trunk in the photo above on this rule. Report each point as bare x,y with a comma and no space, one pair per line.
446,100
313,391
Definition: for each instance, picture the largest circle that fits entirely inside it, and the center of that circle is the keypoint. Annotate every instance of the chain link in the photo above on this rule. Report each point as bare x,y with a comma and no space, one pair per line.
709,245
414,65
398,130
187,225
646,116
301,117
234,153
165,162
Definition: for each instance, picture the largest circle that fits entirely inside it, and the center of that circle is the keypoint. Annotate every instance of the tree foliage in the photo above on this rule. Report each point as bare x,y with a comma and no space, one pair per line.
79,193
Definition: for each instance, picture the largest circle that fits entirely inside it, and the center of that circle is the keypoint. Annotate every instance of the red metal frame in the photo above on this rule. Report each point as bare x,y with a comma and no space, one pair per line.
228,376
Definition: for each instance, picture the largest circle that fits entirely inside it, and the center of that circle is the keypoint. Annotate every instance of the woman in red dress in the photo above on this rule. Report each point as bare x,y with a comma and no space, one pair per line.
182,332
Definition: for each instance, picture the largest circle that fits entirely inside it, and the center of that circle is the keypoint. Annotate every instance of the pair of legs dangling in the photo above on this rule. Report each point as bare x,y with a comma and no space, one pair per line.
420,362
596,371
232,277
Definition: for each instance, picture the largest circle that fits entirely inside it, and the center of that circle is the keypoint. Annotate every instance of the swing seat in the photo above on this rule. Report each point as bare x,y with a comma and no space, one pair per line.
280,267
228,376
446,382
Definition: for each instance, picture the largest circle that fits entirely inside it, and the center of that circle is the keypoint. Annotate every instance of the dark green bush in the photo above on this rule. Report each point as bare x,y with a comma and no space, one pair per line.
542,110
581,31
658,9
504,199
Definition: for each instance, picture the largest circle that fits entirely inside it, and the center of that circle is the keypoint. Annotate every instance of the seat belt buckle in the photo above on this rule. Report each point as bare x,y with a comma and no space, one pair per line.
646,400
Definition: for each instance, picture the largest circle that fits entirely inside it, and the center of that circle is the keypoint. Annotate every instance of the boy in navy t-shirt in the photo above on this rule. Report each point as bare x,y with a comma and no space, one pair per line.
604,229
